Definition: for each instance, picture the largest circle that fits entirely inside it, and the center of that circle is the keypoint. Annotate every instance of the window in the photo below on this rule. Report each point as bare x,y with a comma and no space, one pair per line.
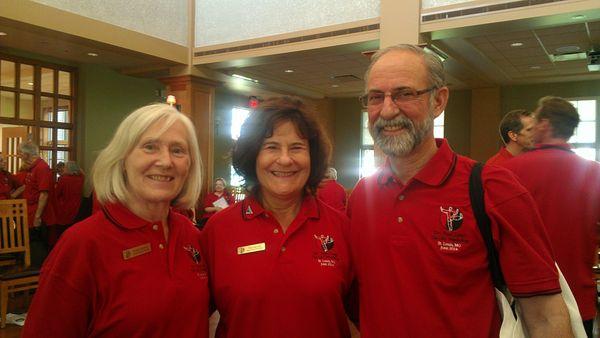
238,116
367,152
584,140
37,103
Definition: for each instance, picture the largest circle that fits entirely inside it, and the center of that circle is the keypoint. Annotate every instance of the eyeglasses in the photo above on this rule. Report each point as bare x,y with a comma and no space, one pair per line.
398,96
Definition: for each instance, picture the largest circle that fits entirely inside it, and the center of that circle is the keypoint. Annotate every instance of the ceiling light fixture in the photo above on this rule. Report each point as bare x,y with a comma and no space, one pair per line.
242,77
535,67
578,17
335,85
516,44
92,54
30,83
3,34
289,71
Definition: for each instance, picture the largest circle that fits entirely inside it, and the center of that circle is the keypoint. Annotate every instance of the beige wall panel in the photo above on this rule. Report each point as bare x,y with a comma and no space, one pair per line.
485,117
399,22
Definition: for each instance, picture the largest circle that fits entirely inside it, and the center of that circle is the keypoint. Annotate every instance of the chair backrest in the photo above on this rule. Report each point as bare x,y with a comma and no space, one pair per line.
14,230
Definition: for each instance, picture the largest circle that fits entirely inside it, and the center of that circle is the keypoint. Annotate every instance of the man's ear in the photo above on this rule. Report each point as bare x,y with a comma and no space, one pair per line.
513,136
440,101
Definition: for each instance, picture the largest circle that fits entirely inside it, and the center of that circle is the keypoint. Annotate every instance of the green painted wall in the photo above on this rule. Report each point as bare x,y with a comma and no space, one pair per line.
346,155
225,100
457,124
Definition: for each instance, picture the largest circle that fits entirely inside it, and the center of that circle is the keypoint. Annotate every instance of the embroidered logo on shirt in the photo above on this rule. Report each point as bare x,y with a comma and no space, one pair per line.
453,219
326,242
194,253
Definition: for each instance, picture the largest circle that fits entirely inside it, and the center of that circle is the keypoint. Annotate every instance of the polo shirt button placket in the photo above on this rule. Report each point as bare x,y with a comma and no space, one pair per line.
400,219
155,227
401,197
161,246
275,231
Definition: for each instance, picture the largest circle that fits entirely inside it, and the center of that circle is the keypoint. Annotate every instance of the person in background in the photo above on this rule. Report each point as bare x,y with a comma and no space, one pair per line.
39,186
516,130
279,261
133,270
566,189
60,168
219,194
10,187
331,192
68,194
422,266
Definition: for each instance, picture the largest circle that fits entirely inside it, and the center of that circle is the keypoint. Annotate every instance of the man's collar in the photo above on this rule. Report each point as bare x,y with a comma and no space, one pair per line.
435,171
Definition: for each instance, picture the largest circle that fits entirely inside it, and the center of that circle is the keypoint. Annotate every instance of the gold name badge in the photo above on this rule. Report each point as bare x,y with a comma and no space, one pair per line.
242,250
136,251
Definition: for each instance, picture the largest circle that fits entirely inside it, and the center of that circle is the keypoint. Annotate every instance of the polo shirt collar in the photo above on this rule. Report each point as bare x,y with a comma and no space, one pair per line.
562,146
251,208
504,152
121,216
435,171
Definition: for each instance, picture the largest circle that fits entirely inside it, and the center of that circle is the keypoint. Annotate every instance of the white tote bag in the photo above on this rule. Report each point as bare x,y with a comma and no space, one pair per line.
515,328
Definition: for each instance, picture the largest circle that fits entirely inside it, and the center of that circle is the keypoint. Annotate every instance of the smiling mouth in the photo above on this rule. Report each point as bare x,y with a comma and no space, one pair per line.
283,173
160,178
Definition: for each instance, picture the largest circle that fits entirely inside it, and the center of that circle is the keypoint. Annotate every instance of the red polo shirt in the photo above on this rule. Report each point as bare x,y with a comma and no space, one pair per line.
566,189
39,179
114,275
69,191
8,183
502,156
333,194
266,283
421,262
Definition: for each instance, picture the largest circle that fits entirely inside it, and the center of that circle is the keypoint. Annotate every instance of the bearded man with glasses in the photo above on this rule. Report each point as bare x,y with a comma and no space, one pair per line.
421,262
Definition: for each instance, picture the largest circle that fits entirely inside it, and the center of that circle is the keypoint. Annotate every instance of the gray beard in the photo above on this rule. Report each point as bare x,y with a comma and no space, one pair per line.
405,143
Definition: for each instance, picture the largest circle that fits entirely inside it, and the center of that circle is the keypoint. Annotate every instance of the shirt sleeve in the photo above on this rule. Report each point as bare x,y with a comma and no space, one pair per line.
525,252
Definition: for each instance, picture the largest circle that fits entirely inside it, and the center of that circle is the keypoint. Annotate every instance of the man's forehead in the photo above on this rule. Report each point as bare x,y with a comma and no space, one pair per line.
398,63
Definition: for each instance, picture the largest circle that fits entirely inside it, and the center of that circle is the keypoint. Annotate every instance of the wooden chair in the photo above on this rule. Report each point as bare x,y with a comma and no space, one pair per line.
14,240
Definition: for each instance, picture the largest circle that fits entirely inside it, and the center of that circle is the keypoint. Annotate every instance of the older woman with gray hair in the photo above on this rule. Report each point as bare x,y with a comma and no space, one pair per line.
134,269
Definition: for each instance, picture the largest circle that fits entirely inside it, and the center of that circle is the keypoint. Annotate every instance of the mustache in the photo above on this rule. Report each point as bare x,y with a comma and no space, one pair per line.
400,121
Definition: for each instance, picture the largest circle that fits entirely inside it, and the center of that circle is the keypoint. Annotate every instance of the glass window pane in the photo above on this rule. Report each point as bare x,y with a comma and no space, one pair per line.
7,104
7,74
238,116
366,136
26,79
62,156
367,162
46,137
47,108
587,153
585,133
64,111
26,106
63,138
47,80
439,121
47,156
438,131
64,83
586,109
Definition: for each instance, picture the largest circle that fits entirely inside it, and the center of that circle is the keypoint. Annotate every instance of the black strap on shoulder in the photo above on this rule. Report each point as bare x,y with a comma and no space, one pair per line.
483,222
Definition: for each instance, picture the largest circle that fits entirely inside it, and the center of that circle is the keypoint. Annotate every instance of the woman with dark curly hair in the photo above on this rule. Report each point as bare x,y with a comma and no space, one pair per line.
278,261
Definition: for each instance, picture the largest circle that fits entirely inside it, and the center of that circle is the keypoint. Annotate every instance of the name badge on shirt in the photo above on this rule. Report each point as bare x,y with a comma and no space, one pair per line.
242,250
136,251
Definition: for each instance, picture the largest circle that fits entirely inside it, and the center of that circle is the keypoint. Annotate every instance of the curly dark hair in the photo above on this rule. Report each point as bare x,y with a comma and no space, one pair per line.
260,125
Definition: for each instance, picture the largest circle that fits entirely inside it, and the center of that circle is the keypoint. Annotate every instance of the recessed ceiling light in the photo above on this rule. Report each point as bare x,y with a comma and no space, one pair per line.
578,17
30,83
335,85
535,67
92,54
3,34
568,49
516,44
289,70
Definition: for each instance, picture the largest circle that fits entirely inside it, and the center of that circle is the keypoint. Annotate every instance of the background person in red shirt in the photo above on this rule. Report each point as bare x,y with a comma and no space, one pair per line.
39,186
516,130
279,261
220,191
10,187
68,194
331,192
566,189
134,269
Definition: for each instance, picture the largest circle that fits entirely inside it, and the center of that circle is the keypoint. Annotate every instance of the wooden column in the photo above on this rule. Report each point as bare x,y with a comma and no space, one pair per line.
195,98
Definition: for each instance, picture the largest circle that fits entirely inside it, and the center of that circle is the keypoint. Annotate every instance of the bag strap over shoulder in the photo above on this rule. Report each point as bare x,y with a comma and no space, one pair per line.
476,194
